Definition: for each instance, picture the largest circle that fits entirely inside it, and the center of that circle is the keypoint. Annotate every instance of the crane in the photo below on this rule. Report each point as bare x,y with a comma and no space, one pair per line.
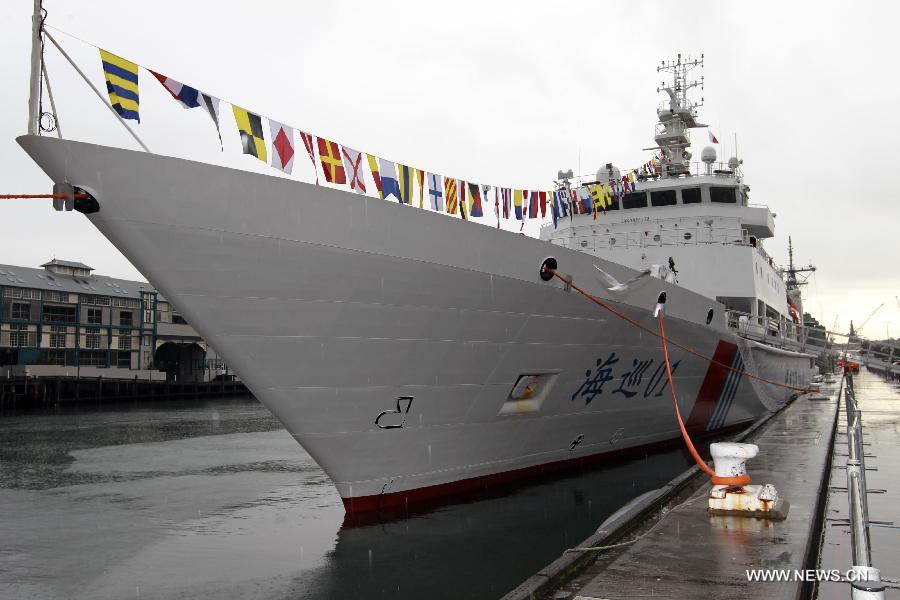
871,314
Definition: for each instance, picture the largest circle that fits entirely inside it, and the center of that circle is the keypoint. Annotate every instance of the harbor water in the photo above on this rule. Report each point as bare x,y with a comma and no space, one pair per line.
214,499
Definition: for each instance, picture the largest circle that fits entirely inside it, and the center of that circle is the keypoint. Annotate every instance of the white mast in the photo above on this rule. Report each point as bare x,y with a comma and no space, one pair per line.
34,95
672,136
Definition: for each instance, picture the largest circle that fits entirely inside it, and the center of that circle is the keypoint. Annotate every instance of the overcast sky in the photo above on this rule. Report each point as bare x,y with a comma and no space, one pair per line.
502,93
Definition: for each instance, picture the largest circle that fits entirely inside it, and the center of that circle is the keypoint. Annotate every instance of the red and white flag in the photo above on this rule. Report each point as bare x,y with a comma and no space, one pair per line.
353,168
712,138
282,146
309,144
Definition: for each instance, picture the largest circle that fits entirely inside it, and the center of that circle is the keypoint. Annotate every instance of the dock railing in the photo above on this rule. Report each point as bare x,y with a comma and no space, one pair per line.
866,584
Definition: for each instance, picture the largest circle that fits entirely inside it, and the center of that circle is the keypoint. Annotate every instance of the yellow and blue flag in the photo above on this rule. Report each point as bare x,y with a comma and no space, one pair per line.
405,181
517,203
121,84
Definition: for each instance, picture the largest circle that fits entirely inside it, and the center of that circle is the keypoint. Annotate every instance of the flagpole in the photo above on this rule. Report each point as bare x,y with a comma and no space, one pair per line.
34,93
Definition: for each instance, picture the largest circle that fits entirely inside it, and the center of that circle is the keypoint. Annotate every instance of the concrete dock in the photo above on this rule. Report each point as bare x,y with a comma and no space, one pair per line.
682,552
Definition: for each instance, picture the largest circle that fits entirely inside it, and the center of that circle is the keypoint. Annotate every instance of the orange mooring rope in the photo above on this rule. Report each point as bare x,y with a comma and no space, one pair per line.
31,196
687,349
687,439
716,479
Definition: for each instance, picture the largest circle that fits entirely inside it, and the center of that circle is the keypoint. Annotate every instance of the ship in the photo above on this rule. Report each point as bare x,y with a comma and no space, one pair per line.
417,356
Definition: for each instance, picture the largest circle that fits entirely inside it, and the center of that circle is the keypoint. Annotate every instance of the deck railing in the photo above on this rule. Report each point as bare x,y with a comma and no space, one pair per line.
770,330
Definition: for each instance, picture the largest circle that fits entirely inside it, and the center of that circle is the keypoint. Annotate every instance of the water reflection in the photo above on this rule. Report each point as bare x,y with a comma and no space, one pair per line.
484,548
215,500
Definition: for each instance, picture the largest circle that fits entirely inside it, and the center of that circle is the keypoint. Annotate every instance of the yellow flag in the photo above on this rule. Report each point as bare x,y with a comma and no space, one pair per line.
250,127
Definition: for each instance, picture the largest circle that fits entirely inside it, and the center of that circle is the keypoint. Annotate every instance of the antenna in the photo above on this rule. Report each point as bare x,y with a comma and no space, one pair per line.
791,281
679,116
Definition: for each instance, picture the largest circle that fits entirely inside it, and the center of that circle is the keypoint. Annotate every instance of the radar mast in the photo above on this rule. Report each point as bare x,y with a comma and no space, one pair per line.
678,117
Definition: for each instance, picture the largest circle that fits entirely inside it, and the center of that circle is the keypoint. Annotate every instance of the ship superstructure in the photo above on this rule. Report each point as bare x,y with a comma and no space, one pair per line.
695,218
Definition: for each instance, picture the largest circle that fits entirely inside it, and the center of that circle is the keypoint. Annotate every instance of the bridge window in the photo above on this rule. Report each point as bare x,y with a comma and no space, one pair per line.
613,204
663,198
635,200
690,195
722,194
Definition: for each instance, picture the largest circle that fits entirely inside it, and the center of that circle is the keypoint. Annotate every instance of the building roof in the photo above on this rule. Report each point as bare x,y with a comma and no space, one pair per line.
42,279
67,263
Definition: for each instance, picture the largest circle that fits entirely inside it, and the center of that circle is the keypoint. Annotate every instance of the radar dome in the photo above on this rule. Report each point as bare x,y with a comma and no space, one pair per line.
708,155
608,172
734,163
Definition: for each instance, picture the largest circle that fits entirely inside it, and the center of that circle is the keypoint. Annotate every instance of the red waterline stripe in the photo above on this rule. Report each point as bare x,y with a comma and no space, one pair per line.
408,498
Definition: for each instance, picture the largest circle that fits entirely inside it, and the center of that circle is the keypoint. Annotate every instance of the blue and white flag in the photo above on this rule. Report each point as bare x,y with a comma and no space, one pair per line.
562,198
390,185
187,96
435,192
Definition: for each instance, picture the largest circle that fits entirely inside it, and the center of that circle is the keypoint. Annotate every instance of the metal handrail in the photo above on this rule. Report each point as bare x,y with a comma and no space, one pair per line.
857,498
765,328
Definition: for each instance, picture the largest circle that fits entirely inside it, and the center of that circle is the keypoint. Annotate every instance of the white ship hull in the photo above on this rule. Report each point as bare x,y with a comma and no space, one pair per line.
331,305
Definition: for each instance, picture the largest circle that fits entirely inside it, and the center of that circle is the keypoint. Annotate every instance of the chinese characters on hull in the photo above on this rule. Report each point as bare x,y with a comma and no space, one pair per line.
632,381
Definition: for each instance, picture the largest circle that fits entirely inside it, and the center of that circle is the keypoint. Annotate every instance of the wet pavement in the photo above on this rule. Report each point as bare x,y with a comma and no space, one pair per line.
688,553
214,499
879,400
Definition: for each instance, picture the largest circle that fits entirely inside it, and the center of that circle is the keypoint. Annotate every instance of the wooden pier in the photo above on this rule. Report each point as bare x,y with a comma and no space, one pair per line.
34,392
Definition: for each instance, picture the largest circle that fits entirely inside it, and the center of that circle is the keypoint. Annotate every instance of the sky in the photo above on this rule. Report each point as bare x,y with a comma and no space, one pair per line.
506,93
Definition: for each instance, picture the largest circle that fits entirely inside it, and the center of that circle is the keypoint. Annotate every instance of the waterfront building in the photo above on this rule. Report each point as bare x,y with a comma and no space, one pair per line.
64,320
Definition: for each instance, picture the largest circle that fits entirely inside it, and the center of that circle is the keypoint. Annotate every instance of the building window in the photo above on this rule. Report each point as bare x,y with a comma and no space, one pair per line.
92,358
94,316
125,341
92,341
123,360
95,300
690,195
18,336
57,336
58,314
125,318
24,293
56,296
21,311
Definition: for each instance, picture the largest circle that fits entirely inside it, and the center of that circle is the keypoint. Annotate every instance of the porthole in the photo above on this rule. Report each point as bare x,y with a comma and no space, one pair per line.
612,241
656,238
584,243
687,236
